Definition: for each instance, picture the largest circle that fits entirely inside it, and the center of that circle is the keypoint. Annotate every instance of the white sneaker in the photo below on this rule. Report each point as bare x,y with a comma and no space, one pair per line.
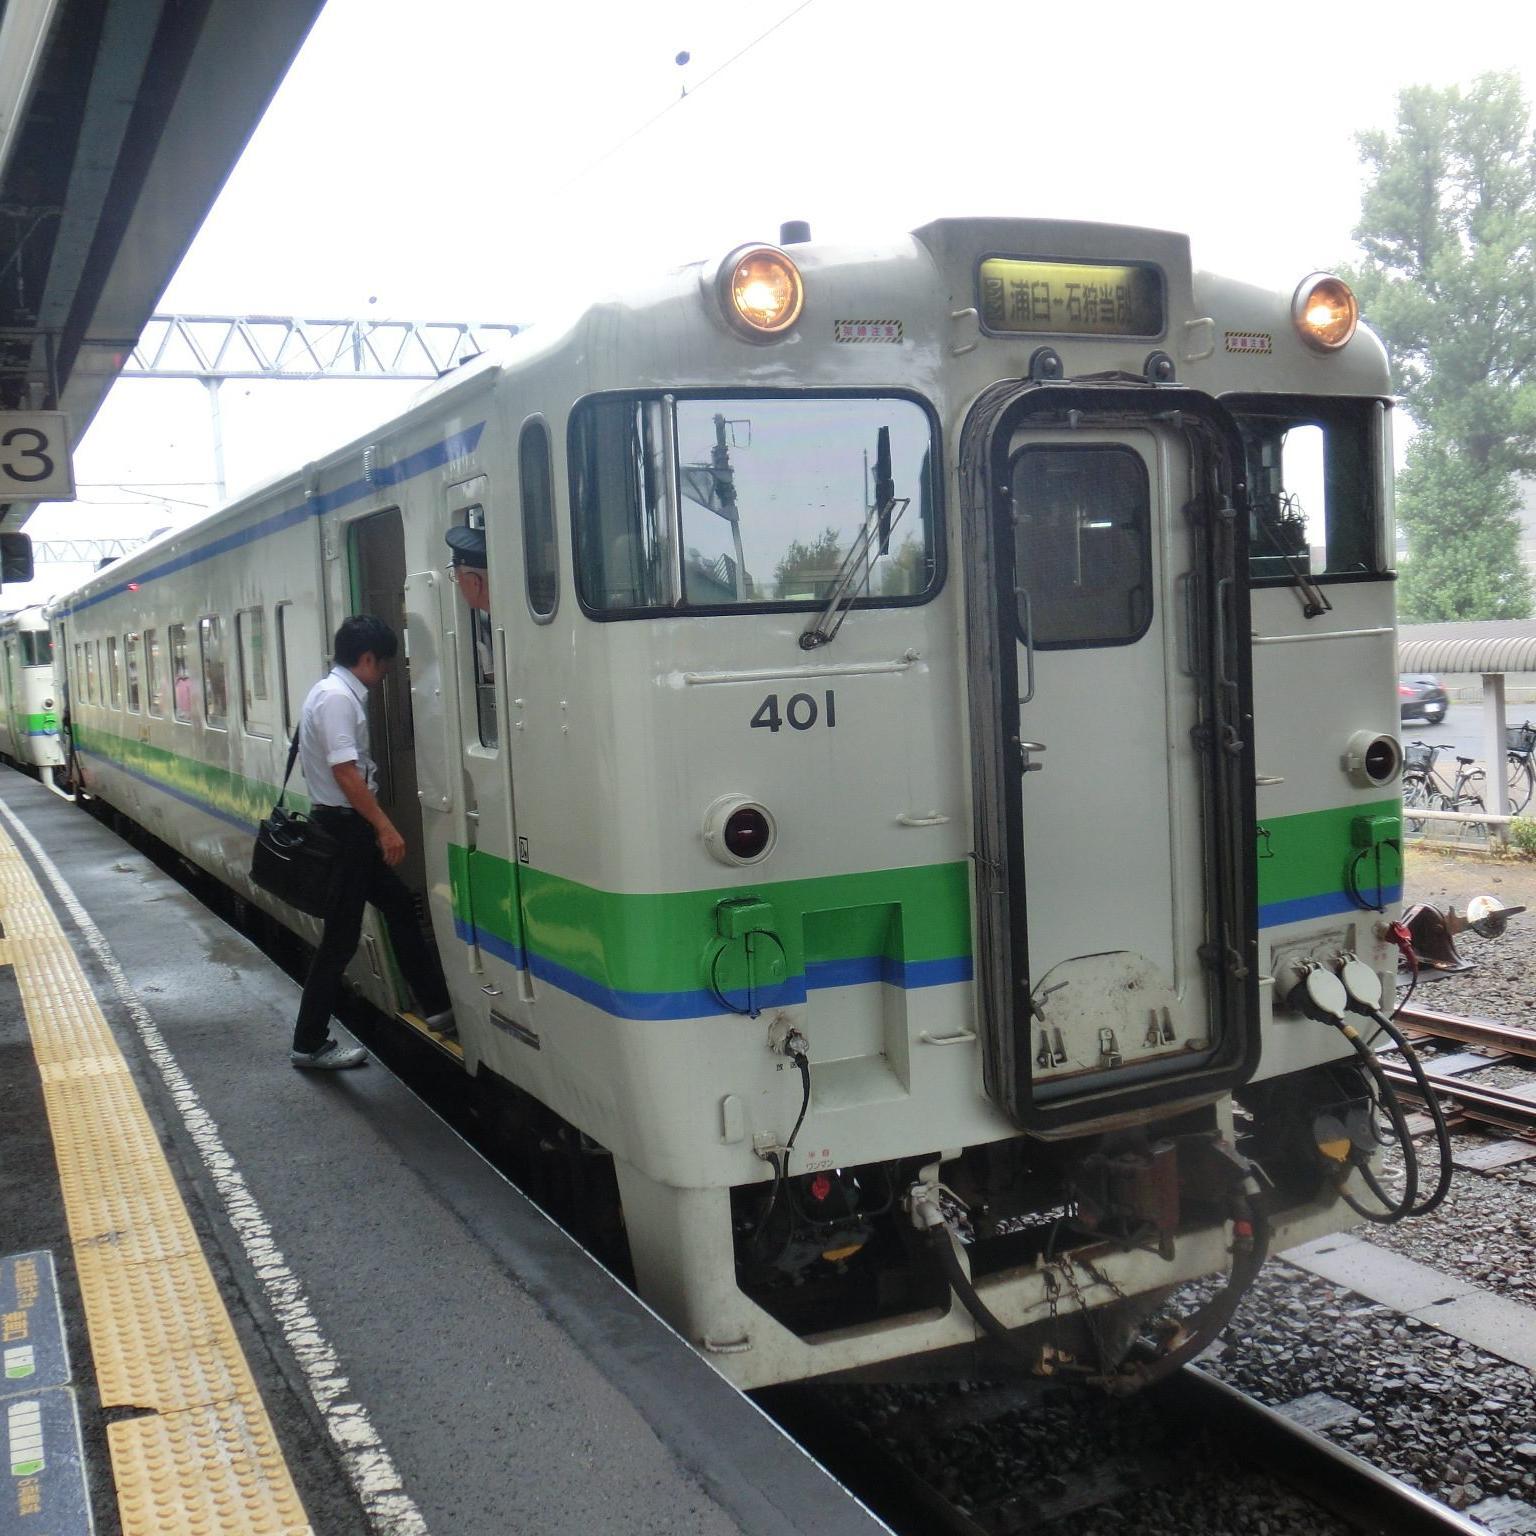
333,1056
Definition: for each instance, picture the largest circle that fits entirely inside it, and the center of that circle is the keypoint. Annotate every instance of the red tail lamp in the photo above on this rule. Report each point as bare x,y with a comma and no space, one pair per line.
739,830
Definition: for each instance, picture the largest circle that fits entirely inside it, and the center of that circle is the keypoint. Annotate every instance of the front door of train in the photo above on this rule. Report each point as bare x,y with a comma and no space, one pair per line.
1120,710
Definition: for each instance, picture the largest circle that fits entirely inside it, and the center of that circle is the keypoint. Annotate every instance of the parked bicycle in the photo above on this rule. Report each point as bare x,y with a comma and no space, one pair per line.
1521,742
1426,789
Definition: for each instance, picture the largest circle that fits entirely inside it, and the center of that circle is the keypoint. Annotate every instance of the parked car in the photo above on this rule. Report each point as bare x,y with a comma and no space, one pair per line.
1422,698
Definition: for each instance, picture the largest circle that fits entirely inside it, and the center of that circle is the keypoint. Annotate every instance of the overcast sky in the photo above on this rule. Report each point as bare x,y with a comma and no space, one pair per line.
472,160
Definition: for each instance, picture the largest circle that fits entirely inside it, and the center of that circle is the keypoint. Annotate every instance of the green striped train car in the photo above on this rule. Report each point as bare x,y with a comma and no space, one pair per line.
932,689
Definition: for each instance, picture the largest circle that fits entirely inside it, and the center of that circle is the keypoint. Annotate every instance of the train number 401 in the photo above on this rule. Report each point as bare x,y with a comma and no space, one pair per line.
800,712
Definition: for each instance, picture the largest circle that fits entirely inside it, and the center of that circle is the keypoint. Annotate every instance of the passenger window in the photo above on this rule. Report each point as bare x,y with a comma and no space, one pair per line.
1082,545
154,668
215,697
540,558
482,654
181,687
90,671
114,673
255,702
131,665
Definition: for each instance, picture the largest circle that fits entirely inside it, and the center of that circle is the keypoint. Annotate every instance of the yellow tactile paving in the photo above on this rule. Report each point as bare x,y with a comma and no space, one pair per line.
236,1467
181,1351
204,1458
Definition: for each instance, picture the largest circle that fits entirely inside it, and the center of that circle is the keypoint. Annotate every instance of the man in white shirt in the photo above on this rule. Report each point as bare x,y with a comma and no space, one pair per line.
342,779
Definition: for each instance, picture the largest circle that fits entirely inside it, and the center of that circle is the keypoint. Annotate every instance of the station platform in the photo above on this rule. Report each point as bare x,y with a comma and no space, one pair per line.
235,1297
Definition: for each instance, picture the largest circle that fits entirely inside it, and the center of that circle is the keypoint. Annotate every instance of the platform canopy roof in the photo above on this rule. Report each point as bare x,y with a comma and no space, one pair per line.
119,122
1485,645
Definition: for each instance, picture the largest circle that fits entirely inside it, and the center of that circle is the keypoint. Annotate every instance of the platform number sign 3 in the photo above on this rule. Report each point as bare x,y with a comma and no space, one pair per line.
801,711
34,456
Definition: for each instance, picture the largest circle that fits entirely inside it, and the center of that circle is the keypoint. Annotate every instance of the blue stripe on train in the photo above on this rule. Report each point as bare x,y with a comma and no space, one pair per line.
1329,905
701,1003
455,447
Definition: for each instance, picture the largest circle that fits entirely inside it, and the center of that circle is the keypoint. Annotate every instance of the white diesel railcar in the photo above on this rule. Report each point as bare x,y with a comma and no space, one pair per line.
29,719
930,692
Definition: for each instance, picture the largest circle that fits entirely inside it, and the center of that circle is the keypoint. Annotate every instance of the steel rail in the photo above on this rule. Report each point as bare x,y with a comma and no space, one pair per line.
1491,1106
1308,1464
1470,1031
1359,1493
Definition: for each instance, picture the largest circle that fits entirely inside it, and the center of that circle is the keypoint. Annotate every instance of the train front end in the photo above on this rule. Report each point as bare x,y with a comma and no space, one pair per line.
927,646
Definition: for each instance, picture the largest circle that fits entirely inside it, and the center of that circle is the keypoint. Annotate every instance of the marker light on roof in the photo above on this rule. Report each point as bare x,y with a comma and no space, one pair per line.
1324,311
760,291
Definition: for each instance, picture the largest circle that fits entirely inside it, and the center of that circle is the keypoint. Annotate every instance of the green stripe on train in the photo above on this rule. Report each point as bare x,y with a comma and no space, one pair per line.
634,943
1307,854
661,942
230,794
656,942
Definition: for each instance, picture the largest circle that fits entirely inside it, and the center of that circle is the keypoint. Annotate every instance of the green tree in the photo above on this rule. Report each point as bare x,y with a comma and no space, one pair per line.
1448,228
1464,537
807,569
905,569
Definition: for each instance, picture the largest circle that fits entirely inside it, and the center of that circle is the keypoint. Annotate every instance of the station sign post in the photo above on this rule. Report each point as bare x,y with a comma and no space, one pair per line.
36,464
35,458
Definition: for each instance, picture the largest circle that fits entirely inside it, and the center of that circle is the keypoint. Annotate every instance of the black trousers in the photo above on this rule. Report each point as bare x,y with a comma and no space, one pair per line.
358,877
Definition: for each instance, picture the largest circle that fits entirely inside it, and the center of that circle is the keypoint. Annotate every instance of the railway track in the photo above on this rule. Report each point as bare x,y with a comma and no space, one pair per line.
1468,1031
1362,1495
1189,1429
1501,1107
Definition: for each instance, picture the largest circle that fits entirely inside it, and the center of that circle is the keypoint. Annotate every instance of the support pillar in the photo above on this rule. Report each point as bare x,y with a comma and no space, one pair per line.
1497,795
221,492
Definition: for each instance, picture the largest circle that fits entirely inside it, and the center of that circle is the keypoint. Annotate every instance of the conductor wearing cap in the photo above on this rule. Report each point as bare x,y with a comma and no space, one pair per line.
468,547
468,567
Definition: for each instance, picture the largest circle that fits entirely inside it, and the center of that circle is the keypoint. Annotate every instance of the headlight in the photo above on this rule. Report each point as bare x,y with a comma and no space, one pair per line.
1372,760
760,291
1324,312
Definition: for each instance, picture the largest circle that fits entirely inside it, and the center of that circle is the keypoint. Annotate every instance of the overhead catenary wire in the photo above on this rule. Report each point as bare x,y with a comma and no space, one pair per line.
694,90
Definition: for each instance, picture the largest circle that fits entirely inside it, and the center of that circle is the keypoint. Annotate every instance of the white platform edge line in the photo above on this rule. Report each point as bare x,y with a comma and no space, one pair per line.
368,1465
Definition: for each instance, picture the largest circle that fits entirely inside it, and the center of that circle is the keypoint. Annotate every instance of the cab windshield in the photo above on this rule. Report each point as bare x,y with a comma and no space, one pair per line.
727,503
1315,486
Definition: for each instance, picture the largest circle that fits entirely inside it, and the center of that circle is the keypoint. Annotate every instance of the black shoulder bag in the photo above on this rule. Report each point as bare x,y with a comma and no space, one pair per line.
293,857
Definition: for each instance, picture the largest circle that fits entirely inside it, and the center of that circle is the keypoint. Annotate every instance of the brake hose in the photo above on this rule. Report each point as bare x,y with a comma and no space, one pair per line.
1403,1205
1327,996
1363,987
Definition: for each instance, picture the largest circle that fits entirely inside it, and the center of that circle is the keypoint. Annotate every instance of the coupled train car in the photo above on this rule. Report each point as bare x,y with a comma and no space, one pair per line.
928,763
29,715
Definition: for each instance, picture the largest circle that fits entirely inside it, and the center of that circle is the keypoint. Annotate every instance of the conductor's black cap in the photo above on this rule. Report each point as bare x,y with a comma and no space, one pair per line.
468,546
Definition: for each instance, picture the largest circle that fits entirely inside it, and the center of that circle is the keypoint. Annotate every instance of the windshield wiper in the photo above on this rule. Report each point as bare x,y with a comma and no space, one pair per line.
1314,601
822,630
878,523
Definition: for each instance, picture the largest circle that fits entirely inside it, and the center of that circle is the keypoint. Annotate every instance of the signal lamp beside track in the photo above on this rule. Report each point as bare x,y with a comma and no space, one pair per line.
738,830
760,291
1324,311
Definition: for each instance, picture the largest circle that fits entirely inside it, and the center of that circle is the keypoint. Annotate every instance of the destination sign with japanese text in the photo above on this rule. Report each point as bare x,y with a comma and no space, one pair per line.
1070,298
